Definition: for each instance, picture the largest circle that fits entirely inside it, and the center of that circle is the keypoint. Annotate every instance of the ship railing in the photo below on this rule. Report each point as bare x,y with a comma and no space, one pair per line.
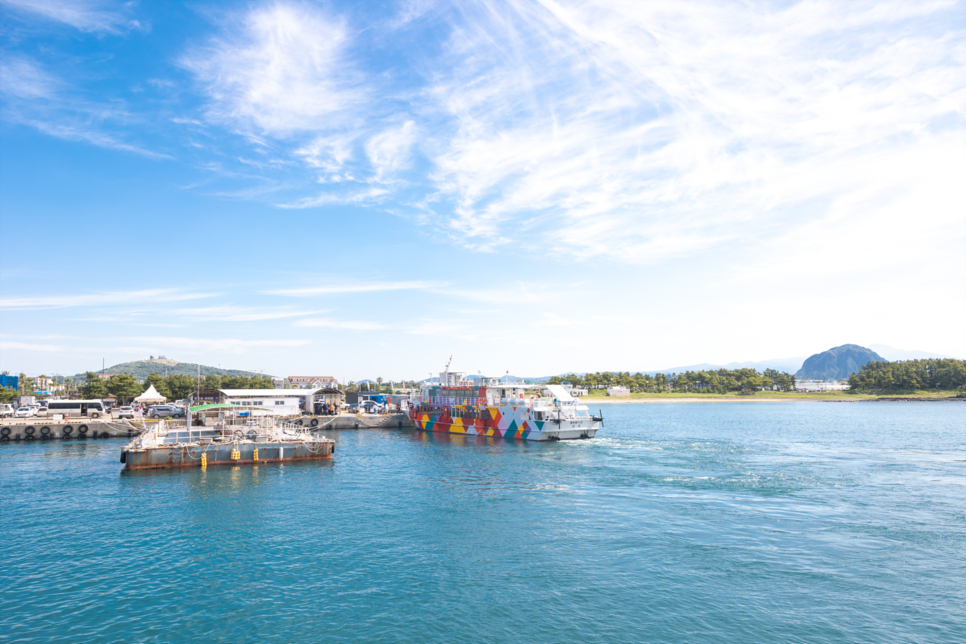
233,433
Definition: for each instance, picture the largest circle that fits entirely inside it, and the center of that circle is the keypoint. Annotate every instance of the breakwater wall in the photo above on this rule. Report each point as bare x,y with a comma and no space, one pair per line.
51,431
41,430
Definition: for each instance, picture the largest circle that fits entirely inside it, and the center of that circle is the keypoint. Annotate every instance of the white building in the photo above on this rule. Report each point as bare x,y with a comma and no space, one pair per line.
618,391
278,402
312,382
574,391
822,385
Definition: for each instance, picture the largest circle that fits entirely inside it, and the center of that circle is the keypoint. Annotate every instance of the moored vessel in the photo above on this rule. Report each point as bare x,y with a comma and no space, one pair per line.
487,407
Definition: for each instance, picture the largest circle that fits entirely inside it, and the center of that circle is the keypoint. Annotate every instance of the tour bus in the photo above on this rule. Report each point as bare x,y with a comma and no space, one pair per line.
90,408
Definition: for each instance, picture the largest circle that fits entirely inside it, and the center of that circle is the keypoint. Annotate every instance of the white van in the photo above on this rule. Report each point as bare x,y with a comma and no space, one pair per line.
89,408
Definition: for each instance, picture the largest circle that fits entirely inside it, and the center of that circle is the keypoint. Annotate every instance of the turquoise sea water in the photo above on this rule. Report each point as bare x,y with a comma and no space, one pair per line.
714,522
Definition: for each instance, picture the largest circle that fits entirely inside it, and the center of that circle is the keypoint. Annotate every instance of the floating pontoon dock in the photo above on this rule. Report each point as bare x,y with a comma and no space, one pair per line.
261,441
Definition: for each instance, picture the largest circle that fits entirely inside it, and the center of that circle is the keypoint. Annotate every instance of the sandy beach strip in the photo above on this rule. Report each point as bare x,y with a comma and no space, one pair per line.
624,401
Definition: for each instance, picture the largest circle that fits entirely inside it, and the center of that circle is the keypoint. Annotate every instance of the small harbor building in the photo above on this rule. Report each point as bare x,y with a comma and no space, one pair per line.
278,402
618,391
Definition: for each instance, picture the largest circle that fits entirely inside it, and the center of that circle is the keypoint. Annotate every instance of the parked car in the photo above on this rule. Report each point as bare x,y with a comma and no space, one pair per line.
353,408
25,412
166,411
371,407
7,411
125,412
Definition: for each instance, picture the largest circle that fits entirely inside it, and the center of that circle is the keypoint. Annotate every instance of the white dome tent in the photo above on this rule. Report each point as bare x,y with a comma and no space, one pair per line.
150,396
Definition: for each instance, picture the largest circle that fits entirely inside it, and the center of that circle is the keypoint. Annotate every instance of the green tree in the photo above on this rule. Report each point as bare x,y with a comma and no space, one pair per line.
211,381
179,386
124,387
261,382
159,383
93,387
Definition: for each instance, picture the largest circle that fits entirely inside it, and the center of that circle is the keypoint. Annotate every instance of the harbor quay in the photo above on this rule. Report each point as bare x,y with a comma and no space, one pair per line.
30,429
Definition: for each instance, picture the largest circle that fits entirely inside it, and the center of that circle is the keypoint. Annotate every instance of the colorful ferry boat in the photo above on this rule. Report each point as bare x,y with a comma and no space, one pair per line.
487,407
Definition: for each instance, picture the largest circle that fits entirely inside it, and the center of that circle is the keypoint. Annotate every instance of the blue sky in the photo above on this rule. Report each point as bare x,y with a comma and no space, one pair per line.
363,189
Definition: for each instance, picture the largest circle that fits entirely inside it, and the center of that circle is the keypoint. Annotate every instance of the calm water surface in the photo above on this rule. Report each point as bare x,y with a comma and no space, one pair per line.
715,522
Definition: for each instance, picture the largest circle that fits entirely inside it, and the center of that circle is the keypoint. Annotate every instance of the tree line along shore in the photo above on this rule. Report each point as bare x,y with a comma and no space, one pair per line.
932,377
929,377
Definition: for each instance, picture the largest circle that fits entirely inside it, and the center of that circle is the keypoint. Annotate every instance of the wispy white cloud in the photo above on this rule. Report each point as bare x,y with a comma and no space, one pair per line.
284,71
74,131
371,287
235,313
638,132
513,292
390,150
36,98
287,76
8,345
646,131
332,323
230,345
24,78
94,299
352,197
84,15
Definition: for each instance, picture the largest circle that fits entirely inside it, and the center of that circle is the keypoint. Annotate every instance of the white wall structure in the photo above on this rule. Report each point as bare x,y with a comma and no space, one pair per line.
618,391
822,385
279,402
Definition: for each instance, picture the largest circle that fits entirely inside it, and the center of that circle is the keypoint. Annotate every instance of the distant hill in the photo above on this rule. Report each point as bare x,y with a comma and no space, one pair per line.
787,365
141,369
892,354
839,362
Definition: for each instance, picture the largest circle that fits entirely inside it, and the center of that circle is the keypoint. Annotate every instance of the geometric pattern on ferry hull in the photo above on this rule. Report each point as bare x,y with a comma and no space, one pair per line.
506,422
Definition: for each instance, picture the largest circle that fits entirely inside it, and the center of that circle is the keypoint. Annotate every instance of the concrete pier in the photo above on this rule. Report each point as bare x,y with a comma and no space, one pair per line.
41,429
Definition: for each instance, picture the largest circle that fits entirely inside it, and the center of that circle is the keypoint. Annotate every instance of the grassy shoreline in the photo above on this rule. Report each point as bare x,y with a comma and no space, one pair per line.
767,396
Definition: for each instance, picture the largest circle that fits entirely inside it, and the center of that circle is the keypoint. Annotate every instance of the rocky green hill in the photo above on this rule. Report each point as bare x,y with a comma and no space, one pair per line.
839,362
141,369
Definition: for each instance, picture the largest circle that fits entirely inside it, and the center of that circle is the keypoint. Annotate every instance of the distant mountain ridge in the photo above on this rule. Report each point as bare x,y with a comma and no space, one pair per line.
892,354
837,362
141,369
787,365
